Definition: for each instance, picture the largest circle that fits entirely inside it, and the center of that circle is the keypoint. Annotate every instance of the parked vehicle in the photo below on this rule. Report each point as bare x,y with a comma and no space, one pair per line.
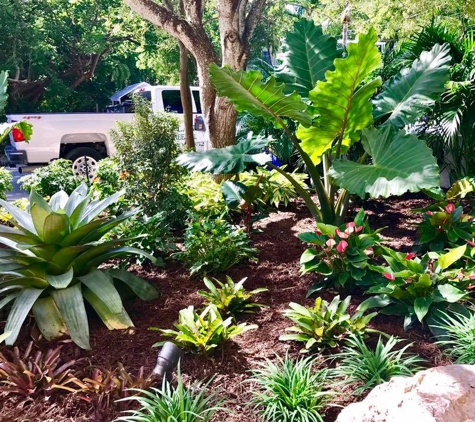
84,138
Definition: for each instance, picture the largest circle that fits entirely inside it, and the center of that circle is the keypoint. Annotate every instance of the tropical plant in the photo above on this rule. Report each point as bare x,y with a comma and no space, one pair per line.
338,114
367,368
231,298
458,338
324,325
5,182
177,404
290,391
341,254
203,332
214,245
21,203
55,177
34,374
417,288
49,266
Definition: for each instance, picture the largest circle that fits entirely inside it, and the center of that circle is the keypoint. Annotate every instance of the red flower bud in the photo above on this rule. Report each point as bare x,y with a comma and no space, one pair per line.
342,246
318,231
429,213
450,208
410,256
389,276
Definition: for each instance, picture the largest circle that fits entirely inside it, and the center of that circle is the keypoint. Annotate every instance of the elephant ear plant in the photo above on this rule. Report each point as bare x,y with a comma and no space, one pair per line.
49,266
334,111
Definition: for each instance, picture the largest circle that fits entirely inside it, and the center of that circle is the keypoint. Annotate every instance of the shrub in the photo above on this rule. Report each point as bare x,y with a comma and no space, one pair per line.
177,404
213,245
5,182
359,364
290,391
458,339
203,332
109,178
326,324
231,298
48,180
146,152
54,252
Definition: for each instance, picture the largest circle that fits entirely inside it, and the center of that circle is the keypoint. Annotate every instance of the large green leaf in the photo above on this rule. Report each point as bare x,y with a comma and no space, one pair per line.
61,281
310,53
71,307
77,235
93,209
18,236
102,285
117,253
230,160
234,193
106,226
22,218
342,101
408,94
48,318
249,93
450,257
401,163
143,289
19,312
56,228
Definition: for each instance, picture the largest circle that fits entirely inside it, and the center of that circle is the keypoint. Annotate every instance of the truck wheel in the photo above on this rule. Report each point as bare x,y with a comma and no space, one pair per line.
84,162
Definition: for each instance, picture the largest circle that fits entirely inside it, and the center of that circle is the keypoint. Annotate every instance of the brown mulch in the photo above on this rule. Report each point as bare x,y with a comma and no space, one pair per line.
277,270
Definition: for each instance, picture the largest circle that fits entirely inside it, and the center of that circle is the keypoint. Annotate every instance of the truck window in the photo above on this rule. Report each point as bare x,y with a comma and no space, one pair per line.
196,97
172,101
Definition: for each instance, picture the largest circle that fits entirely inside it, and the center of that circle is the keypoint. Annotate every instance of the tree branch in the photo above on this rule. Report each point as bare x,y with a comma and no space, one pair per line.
252,19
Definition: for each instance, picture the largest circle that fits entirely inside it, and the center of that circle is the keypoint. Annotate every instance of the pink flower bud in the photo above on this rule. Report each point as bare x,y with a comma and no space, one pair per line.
471,243
389,276
369,251
410,256
330,243
429,213
450,208
340,234
358,229
342,246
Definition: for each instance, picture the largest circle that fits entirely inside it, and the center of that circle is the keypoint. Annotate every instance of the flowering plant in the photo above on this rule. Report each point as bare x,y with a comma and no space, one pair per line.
444,226
340,254
417,288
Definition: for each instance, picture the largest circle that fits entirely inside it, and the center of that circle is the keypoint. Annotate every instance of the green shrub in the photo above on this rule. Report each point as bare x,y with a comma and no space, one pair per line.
50,266
458,339
5,182
359,364
326,324
174,404
146,152
48,180
203,332
231,298
290,391
109,178
214,245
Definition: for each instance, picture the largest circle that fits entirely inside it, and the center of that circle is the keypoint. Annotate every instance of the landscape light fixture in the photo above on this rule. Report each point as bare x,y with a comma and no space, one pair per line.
167,359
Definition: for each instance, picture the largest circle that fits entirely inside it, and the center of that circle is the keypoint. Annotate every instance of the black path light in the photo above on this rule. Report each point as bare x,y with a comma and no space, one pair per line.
167,360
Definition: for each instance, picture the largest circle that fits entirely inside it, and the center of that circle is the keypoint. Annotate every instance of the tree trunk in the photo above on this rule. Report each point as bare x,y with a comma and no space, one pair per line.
186,97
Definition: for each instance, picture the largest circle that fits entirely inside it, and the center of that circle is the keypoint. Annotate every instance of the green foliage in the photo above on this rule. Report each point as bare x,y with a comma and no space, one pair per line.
109,178
177,404
341,254
290,391
33,375
444,226
231,299
204,332
324,325
205,194
49,266
48,180
418,288
5,182
458,339
214,245
146,152
358,364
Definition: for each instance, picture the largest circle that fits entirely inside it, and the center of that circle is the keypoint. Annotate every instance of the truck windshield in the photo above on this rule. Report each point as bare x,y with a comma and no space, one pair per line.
172,101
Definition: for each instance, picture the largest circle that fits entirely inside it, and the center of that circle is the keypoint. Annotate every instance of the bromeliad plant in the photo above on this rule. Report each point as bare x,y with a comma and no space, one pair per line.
418,288
231,298
334,110
49,266
341,254
204,332
324,325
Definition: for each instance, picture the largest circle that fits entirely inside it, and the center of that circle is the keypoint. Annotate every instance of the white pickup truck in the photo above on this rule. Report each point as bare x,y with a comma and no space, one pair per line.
84,138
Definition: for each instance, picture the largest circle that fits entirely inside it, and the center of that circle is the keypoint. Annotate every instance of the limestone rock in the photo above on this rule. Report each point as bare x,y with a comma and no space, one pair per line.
442,394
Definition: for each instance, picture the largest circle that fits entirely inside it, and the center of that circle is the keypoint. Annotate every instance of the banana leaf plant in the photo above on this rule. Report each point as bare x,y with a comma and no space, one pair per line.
337,107
49,266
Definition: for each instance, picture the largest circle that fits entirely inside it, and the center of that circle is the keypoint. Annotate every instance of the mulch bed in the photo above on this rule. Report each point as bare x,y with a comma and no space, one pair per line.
277,270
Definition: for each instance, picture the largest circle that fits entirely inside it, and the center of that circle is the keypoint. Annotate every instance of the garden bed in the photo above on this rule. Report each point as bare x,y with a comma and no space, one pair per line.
277,270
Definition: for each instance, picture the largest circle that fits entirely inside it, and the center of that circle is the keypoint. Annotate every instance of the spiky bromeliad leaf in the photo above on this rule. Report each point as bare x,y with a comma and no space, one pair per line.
401,163
342,102
249,93
230,160
408,94
310,53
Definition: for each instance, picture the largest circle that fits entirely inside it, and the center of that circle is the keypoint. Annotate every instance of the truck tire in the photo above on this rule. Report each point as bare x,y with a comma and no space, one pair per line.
85,162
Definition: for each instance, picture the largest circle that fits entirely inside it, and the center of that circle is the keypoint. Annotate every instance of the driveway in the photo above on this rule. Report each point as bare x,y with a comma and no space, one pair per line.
16,193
